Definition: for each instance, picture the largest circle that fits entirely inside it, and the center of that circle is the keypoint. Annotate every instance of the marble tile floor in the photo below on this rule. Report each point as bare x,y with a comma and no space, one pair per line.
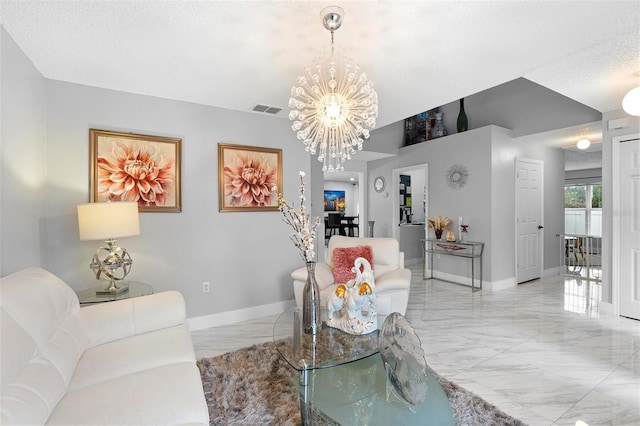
539,351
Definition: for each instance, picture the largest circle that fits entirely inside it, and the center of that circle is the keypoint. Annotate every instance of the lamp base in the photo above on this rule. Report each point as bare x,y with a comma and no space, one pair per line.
113,290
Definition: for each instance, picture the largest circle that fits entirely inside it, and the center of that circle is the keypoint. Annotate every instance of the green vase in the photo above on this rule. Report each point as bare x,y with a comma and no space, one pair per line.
463,122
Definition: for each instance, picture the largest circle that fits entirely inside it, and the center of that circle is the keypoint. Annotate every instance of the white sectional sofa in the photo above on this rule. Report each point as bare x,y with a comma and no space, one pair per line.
125,362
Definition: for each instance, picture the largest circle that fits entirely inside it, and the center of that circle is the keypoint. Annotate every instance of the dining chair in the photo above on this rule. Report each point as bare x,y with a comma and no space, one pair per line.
334,224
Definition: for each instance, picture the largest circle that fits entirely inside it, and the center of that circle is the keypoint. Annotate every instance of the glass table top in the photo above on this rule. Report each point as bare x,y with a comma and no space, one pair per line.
329,348
136,289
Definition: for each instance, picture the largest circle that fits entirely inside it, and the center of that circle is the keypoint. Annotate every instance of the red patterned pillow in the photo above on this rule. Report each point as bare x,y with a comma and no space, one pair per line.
343,259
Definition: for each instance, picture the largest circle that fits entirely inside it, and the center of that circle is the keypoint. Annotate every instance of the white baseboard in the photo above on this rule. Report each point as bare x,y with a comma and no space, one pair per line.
464,280
412,262
552,272
458,279
232,317
502,284
606,309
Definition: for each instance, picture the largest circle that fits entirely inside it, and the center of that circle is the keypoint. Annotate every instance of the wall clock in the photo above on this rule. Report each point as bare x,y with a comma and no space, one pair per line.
379,184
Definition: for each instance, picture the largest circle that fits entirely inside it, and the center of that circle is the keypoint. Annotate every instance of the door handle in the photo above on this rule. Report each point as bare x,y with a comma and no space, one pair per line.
540,226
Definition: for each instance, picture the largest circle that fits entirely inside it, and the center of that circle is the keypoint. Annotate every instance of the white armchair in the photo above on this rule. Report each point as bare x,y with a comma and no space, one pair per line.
392,280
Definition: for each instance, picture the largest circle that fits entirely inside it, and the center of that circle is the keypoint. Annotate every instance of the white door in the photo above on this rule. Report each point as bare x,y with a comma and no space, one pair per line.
629,231
529,229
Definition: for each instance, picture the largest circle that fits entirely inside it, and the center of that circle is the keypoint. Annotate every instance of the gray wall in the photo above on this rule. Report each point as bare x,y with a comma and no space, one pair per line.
521,105
23,151
386,139
247,257
471,149
536,147
487,202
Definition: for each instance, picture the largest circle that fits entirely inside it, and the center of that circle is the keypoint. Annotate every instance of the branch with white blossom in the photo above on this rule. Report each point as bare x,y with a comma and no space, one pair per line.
304,235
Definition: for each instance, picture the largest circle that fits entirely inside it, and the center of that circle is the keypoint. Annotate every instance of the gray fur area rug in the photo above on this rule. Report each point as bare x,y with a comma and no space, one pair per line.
253,386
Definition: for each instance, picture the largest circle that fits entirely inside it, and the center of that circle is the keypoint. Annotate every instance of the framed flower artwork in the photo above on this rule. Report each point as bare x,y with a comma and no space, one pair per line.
133,167
249,178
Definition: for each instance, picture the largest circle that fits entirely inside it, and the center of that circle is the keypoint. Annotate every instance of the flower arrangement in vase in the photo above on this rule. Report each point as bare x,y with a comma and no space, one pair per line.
439,224
303,238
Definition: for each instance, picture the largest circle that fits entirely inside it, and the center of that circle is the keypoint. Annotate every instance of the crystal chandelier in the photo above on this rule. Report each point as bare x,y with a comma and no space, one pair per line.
334,105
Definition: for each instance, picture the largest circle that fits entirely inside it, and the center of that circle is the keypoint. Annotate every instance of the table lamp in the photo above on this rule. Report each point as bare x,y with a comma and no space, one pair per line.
108,221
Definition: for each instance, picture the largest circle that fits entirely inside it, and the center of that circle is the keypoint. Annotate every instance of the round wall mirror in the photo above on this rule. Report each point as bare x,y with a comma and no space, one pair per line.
379,184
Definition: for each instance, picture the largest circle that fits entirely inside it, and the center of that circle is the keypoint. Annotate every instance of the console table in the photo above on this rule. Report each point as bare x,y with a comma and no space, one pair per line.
471,250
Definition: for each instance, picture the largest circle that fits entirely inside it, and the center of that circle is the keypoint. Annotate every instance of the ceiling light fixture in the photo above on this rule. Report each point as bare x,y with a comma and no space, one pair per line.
334,105
631,102
583,143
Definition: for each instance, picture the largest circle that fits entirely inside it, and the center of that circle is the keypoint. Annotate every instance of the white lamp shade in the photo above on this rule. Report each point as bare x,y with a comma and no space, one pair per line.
631,102
103,221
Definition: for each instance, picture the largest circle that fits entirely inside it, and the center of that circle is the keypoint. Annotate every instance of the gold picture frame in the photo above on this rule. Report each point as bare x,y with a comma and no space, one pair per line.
135,167
249,178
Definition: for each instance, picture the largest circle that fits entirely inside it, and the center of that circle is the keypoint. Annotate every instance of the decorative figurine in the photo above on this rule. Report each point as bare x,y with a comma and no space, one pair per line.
352,306
463,233
451,237
336,301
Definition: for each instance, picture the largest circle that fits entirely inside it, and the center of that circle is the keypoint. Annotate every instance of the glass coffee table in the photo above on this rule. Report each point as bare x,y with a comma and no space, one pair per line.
342,379
329,348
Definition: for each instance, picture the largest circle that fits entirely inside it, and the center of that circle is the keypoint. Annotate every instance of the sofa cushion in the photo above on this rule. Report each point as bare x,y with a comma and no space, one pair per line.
343,261
167,395
42,340
133,354
31,386
107,322
18,348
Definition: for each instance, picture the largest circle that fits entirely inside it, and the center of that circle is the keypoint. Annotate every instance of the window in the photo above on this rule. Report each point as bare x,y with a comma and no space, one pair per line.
583,209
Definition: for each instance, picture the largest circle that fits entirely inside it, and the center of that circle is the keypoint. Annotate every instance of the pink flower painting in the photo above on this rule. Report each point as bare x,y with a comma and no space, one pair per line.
249,176
129,169
248,180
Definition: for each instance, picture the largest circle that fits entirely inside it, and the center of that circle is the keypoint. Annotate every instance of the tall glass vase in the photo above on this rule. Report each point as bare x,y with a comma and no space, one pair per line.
311,321
463,121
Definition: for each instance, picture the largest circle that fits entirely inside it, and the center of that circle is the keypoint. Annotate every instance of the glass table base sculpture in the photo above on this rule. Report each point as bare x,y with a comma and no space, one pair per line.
404,360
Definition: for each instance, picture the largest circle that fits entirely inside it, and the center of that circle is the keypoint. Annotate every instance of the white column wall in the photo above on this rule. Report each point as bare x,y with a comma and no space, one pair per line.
23,159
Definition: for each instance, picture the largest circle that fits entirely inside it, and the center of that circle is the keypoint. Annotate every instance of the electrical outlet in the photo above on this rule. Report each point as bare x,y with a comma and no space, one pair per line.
206,287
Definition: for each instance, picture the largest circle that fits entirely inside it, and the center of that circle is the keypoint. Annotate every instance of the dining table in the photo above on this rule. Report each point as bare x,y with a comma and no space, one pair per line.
344,225
348,225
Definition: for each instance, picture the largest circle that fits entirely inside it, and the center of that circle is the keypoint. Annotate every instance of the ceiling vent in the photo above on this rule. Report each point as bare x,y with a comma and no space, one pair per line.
267,109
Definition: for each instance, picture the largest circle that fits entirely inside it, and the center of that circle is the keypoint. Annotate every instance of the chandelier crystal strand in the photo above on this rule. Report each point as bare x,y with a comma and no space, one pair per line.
333,106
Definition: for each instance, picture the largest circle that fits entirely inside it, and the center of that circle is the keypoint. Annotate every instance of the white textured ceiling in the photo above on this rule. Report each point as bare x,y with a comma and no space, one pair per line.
419,54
